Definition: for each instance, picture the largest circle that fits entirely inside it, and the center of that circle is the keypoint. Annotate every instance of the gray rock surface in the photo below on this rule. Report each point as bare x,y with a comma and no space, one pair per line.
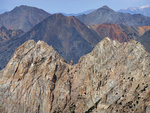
114,77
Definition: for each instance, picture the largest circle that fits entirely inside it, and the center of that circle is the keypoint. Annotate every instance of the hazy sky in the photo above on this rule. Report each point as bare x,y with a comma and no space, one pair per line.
72,6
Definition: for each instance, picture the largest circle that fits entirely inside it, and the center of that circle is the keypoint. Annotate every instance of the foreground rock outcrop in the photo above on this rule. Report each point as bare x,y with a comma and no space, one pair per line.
113,78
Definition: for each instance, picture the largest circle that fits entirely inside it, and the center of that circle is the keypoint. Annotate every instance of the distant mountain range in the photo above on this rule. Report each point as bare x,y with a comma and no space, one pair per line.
69,36
107,15
77,14
113,78
22,17
144,10
66,34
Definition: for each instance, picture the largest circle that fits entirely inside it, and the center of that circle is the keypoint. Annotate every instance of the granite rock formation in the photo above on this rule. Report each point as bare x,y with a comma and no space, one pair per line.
113,78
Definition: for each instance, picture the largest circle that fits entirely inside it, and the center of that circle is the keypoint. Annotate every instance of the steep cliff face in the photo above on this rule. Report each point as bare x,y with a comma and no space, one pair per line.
114,77
30,79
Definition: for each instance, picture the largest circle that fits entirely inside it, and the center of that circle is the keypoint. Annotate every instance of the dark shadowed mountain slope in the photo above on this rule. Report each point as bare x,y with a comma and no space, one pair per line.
6,34
145,40
22,17
107,15
70,38
67,35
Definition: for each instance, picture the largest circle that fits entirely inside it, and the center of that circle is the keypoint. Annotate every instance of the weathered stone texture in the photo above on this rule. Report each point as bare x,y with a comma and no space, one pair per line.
114,77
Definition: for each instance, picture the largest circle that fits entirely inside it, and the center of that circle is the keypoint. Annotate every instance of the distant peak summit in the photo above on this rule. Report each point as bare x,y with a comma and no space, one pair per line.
105,7
25,7
60,16
23,17
22,7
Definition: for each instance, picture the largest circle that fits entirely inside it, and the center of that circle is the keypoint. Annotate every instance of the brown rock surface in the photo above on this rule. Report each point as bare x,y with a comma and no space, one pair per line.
7,34
121,33
113,78
110,30
143,29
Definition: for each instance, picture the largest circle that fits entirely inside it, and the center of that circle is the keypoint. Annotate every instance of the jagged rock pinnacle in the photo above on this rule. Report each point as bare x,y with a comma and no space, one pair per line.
114,77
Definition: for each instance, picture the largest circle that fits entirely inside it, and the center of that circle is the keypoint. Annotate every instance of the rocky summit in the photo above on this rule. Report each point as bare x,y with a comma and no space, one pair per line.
113,78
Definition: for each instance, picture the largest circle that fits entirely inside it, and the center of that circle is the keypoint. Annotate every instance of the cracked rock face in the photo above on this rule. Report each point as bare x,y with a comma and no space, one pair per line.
114,77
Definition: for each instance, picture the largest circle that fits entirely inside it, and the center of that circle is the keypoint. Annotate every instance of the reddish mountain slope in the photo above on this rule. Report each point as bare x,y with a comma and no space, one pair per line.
143,29
6,34
116,32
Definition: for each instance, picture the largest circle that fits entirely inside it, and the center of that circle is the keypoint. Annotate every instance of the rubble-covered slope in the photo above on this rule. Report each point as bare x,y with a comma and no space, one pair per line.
114,77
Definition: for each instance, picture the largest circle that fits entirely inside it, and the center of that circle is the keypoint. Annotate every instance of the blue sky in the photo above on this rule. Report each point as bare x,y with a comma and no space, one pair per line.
72,6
